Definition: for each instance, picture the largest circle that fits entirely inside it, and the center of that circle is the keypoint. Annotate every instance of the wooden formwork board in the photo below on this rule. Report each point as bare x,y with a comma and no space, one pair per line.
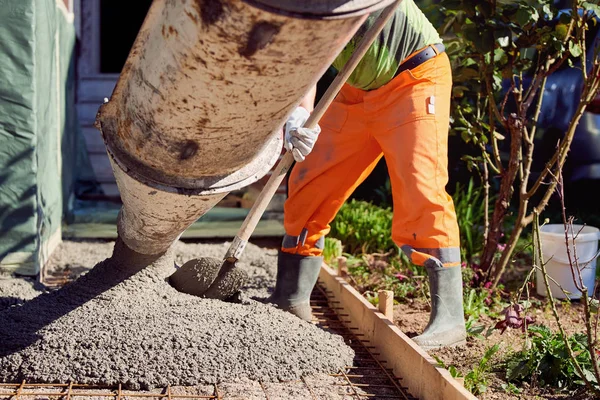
420,372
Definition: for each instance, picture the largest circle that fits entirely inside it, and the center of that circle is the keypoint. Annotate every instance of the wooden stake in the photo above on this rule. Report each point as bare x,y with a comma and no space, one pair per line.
342,267
386,303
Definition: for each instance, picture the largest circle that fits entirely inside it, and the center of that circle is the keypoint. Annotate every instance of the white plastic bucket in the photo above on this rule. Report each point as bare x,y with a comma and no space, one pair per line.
554,252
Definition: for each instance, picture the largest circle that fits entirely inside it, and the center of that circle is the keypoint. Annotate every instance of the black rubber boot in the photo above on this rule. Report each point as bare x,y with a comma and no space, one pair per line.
296,277
446,326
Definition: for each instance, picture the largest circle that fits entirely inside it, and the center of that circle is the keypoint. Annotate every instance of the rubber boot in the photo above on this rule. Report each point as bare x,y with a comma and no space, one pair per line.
446,326
296,278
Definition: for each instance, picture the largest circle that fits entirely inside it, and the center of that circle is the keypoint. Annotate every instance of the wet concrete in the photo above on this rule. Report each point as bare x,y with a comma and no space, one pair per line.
122,323
17,291
195,276
213,278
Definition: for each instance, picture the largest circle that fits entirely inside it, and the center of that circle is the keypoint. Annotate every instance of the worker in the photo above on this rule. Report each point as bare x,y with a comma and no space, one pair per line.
395,104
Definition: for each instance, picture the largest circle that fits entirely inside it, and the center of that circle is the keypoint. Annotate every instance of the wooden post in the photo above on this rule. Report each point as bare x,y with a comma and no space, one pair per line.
386,303
342,267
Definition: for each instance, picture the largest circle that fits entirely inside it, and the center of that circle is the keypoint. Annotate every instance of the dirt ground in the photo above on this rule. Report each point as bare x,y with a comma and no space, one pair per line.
413,317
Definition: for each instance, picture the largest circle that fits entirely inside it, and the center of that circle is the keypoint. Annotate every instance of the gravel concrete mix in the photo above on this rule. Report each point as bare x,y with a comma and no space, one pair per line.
122,323
17,291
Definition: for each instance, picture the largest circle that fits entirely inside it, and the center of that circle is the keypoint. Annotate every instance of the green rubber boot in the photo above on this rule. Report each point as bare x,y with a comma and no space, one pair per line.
296,277
446,326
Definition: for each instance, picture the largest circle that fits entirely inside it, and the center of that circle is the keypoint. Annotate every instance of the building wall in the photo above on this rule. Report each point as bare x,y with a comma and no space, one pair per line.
37,129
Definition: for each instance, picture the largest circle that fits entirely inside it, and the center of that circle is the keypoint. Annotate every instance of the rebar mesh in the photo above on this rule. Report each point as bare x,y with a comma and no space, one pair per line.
367,378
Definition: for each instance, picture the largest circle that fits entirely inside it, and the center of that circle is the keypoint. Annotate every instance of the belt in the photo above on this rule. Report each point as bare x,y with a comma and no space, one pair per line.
426,54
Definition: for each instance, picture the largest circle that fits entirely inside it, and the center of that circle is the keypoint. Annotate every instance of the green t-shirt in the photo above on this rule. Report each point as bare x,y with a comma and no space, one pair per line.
407,31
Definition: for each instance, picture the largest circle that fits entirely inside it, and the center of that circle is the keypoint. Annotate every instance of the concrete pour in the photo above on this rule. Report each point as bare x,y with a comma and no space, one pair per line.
122,323
17,291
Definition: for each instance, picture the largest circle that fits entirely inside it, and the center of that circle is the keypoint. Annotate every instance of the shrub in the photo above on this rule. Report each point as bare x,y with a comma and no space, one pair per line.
364,228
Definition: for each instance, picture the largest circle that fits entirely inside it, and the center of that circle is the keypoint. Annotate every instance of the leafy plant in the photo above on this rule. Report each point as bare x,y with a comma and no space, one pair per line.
547,360
476,381
478,302
332,250
370,273
364,228
455,373
511,388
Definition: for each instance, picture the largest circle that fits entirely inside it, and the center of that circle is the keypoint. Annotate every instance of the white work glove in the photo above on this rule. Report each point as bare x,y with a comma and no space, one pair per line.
300,141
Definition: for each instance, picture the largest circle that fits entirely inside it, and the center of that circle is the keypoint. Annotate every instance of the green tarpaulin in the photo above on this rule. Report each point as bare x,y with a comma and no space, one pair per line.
38,139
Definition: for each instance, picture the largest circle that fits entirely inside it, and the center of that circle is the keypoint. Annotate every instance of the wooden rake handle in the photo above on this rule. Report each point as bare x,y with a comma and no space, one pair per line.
284,165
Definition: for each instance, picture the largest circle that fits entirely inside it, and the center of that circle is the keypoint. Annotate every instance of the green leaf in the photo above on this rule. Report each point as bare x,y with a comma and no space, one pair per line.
481,387
511,388
476,331
454,372
589,375
591,7
500,56
548,13
497,82
439,361
575,49
489,354
464,74
594,305
469,61
465,135
547,360
503,41
526,15
517,370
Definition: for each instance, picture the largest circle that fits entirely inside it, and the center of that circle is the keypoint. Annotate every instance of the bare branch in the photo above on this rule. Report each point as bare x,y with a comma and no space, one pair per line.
493,112
540,259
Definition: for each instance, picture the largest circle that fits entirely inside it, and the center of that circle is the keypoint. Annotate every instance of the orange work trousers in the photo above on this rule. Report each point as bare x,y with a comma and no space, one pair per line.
406,121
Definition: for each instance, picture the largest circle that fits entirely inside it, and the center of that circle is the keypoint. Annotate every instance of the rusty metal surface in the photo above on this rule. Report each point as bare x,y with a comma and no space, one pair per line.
320,9
151,219
207,85
367,378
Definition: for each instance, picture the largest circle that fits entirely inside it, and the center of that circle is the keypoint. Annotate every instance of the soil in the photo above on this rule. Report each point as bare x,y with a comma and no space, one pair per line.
122,323
412,318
